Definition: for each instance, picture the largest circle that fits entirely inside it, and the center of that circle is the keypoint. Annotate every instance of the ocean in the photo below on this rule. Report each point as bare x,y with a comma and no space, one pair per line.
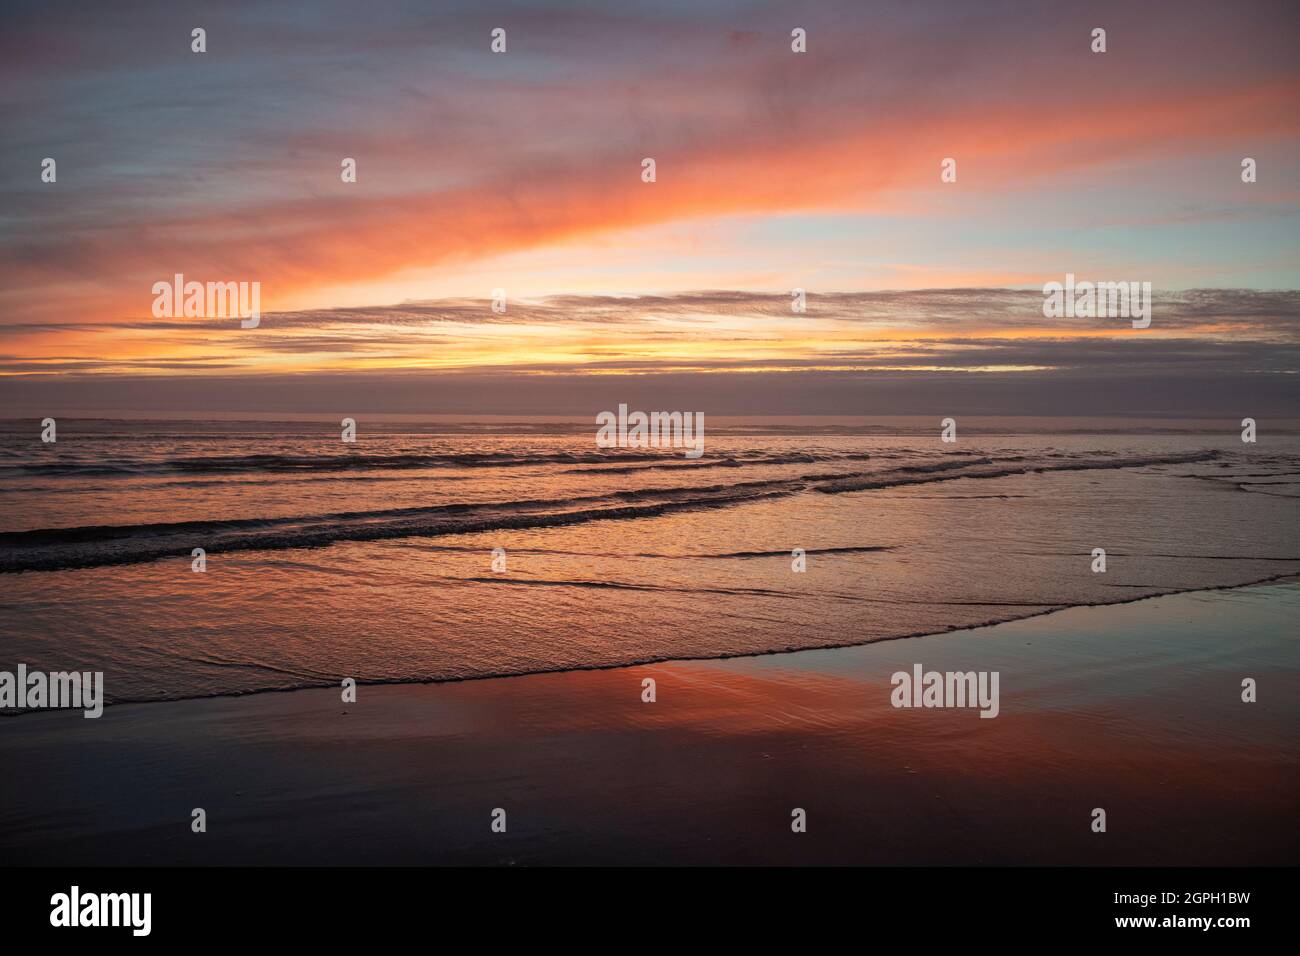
452,551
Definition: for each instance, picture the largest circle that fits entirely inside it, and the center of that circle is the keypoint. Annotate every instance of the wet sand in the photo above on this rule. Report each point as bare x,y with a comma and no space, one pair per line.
1133,708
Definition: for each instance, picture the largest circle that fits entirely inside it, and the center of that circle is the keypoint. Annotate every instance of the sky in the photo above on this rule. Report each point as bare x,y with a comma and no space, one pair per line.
522,171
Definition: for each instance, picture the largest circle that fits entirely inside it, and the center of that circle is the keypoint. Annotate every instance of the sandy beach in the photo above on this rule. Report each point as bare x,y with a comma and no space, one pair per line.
1133,708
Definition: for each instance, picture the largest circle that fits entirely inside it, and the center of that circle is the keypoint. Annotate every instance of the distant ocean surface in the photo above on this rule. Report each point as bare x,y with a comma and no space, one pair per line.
373,560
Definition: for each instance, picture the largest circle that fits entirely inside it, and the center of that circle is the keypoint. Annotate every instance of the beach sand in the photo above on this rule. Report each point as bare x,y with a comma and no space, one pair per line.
1133,708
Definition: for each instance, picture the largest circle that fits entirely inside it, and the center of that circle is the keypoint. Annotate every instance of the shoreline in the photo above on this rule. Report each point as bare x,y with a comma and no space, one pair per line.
1286,576
1133,707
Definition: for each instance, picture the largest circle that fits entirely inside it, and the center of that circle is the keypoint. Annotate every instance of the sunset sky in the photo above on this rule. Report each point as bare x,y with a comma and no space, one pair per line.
522,171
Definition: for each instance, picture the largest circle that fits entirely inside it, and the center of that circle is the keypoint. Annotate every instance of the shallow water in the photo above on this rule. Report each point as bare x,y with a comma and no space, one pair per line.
374,560
1136,707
